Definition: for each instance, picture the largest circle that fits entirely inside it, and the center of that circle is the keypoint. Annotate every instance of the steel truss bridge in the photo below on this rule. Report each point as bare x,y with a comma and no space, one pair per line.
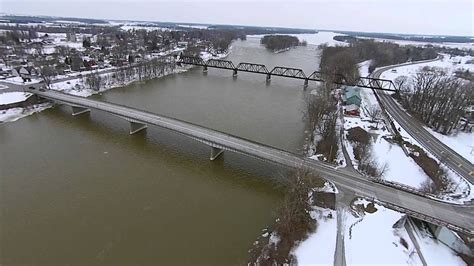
287,72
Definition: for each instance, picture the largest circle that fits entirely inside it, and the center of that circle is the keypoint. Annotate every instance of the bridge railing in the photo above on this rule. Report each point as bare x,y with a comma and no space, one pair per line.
421,216
411,190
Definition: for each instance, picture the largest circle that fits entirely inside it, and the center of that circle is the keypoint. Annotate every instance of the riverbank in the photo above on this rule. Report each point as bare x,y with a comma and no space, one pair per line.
78,88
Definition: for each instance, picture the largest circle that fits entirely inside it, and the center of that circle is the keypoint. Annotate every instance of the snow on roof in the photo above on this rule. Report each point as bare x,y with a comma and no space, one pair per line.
351,107
351,92
13,97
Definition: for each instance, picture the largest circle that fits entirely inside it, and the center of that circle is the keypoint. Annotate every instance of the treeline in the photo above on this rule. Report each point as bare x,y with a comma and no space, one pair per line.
343,60
435,39
139,72
436,99
280,42
344,38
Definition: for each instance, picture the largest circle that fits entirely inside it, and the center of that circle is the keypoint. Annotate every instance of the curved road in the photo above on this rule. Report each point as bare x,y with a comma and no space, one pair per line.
415,128
456,217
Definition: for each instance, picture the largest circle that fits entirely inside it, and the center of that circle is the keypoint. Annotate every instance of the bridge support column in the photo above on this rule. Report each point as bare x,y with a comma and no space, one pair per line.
306,81
235,73
204,69
136,127
269,77
215,152
77,110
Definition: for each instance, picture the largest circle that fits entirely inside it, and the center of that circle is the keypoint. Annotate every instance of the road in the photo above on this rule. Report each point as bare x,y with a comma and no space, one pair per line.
415,128
457,217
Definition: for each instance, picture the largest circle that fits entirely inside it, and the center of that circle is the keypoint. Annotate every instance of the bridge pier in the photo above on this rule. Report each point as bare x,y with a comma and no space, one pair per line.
77,110
234,73
215,152
136,127
269,77
306,81
204,69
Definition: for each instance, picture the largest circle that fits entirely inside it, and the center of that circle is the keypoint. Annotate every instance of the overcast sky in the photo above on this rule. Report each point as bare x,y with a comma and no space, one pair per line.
449,17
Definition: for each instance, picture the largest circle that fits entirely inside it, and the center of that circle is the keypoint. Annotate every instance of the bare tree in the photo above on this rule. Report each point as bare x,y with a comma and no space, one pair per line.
375,113
47,73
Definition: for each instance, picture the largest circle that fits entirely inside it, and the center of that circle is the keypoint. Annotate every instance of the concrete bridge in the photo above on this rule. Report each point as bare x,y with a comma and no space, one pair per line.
288,72
456,217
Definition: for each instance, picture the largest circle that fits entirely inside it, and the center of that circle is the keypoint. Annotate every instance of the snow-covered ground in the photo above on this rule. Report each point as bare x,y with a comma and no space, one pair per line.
461,142
319,247
465,46
371,239
19,81
435,252
322,37
14,114
13,97
399,167
446,64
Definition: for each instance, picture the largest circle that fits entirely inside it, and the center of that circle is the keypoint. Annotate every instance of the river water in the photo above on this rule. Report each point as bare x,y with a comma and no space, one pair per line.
82,191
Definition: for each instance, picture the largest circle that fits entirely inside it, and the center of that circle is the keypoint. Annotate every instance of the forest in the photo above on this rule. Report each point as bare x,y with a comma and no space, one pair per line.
280,42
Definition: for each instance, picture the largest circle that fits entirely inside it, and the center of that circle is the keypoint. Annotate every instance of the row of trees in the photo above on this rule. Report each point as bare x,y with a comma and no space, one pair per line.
436,99
140,72
344,59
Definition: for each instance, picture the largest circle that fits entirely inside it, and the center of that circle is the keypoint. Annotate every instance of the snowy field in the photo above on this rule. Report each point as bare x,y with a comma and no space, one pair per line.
465,46
446,64
322,37
319,247
371,240
13,97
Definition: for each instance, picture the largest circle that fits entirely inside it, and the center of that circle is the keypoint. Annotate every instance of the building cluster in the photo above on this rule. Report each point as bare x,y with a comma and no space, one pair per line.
27,55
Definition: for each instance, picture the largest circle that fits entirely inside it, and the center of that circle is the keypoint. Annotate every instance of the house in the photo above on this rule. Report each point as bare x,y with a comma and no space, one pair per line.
351,109
351,95
24,72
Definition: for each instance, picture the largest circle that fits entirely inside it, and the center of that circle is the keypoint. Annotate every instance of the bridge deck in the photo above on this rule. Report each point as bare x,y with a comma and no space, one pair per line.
457,217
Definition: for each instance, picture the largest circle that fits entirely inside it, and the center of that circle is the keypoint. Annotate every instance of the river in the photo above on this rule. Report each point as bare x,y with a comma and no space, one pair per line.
81,190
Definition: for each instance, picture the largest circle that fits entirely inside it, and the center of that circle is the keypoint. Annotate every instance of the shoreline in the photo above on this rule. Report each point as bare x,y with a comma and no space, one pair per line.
14,114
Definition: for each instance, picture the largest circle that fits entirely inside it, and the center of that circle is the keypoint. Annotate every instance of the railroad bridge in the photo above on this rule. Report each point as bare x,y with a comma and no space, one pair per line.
287,72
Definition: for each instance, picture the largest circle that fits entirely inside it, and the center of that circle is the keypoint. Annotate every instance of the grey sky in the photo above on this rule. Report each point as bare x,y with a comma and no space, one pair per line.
450,17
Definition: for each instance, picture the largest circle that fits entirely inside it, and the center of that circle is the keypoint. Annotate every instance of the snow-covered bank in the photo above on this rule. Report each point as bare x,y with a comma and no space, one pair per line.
14,114
78,88
319,247
13,97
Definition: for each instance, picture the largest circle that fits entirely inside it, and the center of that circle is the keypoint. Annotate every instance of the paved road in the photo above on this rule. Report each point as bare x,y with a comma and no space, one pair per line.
428,209
415,128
